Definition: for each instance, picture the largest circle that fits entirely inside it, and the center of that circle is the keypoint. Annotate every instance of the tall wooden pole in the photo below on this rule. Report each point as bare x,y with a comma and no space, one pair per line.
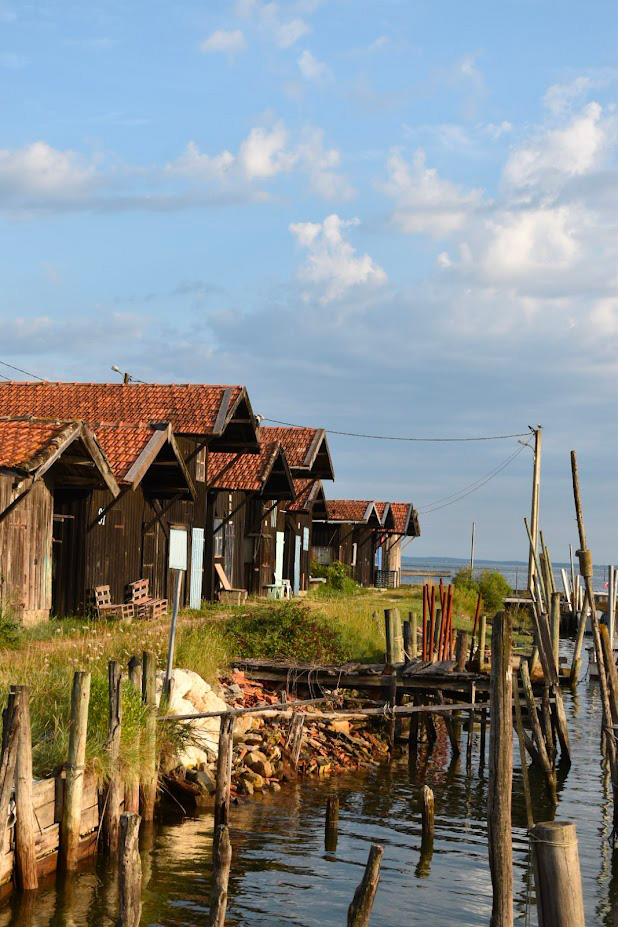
501,772
129,872
25,852
114,791
557,875
74,782
149,774
534,511
362,903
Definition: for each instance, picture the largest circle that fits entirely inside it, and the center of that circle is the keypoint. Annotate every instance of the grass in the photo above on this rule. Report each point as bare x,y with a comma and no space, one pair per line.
318,628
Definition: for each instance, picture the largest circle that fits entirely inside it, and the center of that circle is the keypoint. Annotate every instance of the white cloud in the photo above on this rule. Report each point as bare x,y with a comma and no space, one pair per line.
224,41
332,266
40,170
319,163
312,69
569,151
194,163
560,97
424,202
264,153
283,30
532,242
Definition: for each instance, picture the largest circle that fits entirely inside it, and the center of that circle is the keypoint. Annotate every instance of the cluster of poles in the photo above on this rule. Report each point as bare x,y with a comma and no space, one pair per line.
437,622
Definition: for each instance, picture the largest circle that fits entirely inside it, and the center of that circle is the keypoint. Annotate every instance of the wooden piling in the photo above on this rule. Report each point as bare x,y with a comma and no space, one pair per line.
359,911
131,788
437,634
25,850
555,628
68,856
558,880
224,769
450,726
477,614
222,861
296,737
501,772
537,733
129,872
424,626
483,737
432,619
413,636
149,743
113,792
427,816
461,651
407,642
522,751
332,823
482,636
10,728
394,636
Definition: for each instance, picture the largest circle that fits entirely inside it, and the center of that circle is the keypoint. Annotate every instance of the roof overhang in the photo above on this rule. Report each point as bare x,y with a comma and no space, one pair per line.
236,429
160,468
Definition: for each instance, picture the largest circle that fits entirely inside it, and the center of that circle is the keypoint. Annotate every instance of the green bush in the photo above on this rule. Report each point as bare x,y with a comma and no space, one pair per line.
286,631
491,584
338,583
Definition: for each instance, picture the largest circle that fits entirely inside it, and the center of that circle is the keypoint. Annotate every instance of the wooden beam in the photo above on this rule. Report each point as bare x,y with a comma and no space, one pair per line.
139,467
220,421
182,465
100,460
233,512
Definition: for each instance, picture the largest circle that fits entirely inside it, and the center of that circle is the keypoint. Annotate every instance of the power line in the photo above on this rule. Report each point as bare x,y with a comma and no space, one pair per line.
462,495
356,434
27,372
480,480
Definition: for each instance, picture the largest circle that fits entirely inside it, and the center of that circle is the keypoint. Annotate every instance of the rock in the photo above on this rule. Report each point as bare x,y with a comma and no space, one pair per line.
246,785
256,780
207,779
242,725
190,694
275,787
253,739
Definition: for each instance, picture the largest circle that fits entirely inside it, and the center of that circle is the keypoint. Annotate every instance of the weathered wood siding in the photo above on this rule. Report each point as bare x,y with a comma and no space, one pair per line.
26,551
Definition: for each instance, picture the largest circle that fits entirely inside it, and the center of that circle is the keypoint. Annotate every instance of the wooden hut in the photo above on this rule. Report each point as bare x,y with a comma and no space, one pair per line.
160,438
350,534
41,462
399,521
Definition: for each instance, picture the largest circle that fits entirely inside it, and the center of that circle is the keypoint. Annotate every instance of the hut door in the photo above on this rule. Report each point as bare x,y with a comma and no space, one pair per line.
279,557
297,564
68,593
197,567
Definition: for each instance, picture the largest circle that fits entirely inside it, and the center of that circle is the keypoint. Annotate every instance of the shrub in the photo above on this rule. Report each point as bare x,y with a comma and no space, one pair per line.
286,631
491,584
338,580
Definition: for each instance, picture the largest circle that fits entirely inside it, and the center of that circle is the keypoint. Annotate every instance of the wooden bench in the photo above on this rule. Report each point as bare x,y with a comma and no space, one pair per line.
107,609
142,603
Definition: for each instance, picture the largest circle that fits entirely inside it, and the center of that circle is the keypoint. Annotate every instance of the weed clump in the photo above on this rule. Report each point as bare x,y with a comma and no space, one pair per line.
490,583
287,631
339,583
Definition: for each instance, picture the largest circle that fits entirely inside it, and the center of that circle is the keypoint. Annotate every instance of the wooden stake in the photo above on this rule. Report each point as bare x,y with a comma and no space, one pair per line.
522,752
359,911
10,728
477,613
537,733
432,616
222,861
68,856
224,769
25,850
394,636
296,736
407,642
427,816
424,628
113,793
483,737
555,628
461,650
129,872
557,874
450,726
413,636
149,763
482,635
131,789
332,823
501,773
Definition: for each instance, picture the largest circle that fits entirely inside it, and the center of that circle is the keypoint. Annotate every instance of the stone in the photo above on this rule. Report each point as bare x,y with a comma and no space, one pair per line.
207,779
256,780
259,764
253,738
246,785
275,787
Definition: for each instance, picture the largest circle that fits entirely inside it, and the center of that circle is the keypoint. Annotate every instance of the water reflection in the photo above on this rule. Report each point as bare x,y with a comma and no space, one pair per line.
282,874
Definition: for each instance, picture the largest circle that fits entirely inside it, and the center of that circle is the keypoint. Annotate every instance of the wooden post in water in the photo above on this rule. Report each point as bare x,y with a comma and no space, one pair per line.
129,872
149,765
224,769
482,636
501,772
7,766
113,793
222,861
68,856
537,733
25,851
522,751
555,628
483,737
558,880
427,816
131,788
332,823
359,911
407,642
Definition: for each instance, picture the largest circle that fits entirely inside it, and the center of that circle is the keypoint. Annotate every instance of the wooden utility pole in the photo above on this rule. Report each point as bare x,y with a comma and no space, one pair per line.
534,512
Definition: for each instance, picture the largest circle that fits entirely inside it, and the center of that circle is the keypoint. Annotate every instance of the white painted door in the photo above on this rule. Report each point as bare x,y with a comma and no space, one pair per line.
197,567
279,557
297,564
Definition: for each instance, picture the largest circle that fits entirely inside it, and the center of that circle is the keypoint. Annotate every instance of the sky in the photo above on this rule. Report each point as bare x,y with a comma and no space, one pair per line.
396,218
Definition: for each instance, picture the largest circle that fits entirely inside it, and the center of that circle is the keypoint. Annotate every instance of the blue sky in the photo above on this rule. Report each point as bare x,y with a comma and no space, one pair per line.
395,218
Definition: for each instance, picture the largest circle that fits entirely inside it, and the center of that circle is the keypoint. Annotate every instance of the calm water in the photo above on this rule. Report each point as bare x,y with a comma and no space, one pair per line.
515,573
282,875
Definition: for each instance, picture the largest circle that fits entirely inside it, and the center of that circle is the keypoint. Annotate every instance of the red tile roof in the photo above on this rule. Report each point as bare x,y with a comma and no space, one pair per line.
302,491
192,408
380,507
350,510
400,512
25,444
123,444
247,473
296,442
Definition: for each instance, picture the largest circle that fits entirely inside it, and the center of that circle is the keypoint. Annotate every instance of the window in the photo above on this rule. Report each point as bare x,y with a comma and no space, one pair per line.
354,551
200,466
323,555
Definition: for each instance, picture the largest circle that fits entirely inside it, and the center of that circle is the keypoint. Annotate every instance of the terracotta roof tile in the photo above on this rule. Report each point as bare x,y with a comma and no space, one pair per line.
296,442
248,473
123,444
352,510
400,513
23,442
191,408
302,491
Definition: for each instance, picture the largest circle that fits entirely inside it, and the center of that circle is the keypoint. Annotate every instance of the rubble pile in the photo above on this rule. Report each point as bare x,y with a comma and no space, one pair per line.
262,760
